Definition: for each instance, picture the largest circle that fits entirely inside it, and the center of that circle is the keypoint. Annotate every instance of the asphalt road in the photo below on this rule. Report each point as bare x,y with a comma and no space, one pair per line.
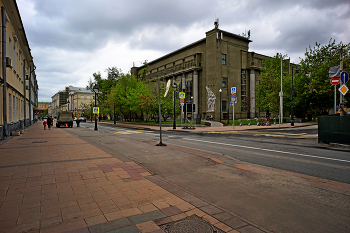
276,200
282,149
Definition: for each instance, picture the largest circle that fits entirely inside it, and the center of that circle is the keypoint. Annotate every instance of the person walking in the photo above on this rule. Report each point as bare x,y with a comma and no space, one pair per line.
49,121
44,123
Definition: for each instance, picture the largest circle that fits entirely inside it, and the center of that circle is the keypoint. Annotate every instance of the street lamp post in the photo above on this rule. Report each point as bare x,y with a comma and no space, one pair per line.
220,103
95,90
174,123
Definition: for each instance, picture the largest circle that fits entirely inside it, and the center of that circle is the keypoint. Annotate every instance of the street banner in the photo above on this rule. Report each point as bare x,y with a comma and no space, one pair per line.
334,72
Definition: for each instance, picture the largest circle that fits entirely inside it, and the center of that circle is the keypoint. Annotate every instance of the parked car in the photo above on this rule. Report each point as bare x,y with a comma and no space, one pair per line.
82,119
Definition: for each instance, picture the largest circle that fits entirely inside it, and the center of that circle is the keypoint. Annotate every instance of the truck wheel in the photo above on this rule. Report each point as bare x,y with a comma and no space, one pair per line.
57,125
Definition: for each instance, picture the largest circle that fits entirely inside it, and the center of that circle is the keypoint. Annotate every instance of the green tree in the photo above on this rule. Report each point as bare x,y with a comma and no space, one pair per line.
313,89
267,92
313,92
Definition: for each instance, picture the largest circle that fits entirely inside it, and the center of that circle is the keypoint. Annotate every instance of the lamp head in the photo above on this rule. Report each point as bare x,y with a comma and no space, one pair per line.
95,88
220,90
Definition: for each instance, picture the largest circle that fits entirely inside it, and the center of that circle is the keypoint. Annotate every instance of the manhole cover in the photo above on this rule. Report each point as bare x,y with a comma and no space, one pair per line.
193,224
39,141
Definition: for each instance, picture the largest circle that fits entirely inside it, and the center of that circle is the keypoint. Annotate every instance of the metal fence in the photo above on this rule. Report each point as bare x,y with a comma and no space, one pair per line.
334,129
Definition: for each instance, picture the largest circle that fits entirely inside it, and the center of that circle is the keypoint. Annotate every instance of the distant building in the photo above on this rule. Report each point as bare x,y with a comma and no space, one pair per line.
42,106
221,60
18,83
74,99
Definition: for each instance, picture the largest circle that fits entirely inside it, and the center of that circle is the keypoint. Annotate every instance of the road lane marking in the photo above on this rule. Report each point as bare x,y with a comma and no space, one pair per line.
269,150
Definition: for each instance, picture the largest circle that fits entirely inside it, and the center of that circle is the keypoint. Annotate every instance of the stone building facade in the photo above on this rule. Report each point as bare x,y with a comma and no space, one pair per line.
18,83
221,60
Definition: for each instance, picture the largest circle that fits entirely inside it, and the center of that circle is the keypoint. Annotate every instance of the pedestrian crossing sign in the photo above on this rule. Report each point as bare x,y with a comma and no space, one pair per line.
96,110
233,90
182,95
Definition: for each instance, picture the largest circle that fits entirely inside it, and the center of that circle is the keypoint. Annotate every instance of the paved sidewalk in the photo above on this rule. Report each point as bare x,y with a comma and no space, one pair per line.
51,181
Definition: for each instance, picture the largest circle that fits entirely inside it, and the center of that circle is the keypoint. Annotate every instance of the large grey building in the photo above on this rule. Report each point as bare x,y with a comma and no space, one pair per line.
217,62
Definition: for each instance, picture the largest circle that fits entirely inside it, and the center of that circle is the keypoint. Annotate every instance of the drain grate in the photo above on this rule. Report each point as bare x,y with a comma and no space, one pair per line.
39,141
191,224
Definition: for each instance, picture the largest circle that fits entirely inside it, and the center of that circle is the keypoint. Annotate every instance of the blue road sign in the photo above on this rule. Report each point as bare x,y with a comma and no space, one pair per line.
344,77
230,104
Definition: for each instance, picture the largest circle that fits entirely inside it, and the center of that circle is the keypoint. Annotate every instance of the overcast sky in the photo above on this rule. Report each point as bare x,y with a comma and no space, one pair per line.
72,39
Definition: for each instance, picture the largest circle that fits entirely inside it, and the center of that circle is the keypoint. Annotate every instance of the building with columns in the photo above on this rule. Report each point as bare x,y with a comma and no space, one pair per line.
18,82
217,62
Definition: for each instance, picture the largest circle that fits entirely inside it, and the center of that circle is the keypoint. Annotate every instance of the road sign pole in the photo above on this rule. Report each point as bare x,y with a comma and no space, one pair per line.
335,99
341,70
233,114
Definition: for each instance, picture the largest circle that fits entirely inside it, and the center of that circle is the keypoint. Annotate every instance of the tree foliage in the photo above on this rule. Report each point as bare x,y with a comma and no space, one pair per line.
313,92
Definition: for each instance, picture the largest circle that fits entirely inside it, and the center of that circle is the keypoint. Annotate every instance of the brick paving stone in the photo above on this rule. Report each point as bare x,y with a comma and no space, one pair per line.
129,229
65,226
147,208
169,211
50,221
178,216
110,226
95,220
80,230
158,231
109,208
160,204
223,227
162,221
196,211
28,227
145,217
122,213
147,227
210,219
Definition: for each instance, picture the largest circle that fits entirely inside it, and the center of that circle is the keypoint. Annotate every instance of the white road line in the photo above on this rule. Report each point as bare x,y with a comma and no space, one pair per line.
277,151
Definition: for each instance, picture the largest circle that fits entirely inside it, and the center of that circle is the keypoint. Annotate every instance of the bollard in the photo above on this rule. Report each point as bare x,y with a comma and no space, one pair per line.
248,122
274,121
240,122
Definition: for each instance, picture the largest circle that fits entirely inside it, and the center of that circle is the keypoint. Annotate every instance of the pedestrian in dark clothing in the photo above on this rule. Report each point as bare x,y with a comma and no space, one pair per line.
49,121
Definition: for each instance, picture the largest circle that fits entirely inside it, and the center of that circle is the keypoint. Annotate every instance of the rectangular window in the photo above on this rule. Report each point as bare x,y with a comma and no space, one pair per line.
243,98
244,81
82,97
10,108
14,108
10,49
224,82
223,59
223,105
188,91
243,87
17,109
244,92
88,97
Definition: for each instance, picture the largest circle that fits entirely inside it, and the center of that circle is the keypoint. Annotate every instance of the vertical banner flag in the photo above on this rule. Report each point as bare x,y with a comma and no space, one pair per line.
334,71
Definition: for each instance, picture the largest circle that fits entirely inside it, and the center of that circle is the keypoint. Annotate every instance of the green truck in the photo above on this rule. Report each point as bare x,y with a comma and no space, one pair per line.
65,118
